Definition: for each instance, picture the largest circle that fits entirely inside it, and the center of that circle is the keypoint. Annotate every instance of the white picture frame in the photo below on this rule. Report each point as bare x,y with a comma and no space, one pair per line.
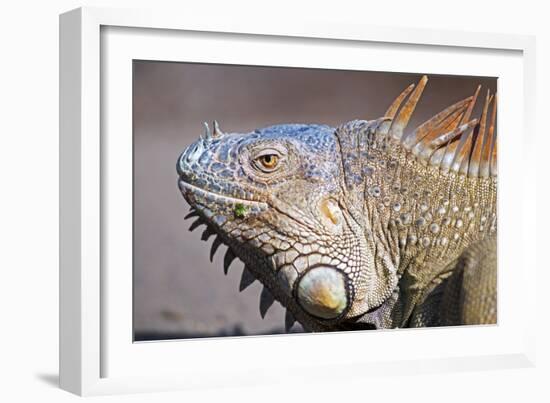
97,355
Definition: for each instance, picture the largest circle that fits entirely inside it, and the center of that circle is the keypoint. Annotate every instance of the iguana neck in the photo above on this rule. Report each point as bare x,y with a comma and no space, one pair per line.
423,217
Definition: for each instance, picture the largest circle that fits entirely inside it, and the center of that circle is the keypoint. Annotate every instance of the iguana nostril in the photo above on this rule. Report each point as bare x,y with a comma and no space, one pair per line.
189,156
179,167
194,151
322,292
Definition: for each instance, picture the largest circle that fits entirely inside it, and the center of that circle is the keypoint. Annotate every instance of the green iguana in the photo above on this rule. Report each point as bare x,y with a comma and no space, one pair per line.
361,226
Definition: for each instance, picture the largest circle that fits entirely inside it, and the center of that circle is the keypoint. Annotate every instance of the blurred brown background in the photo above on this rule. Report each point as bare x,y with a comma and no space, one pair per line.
178,293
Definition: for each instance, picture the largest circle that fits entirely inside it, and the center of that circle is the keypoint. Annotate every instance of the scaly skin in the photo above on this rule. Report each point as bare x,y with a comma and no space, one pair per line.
350,227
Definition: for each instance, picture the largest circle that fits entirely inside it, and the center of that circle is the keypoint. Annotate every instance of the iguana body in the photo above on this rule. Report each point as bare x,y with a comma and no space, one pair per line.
360,226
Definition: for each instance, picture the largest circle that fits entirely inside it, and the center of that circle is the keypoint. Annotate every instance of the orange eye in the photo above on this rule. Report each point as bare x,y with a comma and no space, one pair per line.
269,161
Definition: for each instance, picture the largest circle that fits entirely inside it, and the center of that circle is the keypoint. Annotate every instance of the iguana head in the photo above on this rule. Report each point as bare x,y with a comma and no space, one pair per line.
304,206
275,197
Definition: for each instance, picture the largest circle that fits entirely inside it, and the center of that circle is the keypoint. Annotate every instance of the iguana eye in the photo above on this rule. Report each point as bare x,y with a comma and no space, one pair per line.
267,162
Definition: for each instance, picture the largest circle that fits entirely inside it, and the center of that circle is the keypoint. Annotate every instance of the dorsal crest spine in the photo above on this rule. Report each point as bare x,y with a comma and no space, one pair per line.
450,139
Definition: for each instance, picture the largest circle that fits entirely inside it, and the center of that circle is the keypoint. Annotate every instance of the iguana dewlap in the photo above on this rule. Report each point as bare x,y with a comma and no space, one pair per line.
365,225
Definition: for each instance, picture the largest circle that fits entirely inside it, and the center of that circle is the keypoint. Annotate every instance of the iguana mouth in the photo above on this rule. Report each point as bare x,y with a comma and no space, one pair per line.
198,195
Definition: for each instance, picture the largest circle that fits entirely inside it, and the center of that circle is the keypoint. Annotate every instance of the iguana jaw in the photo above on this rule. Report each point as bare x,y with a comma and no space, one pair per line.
317,296
209,202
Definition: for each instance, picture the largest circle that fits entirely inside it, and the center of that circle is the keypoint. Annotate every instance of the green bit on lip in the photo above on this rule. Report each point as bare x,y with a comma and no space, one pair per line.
240,210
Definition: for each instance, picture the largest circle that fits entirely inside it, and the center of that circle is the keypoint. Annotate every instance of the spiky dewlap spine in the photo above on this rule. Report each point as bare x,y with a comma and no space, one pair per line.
434,213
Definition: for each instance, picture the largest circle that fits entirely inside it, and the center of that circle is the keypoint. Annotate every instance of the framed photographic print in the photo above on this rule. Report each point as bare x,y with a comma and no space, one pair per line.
241,198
